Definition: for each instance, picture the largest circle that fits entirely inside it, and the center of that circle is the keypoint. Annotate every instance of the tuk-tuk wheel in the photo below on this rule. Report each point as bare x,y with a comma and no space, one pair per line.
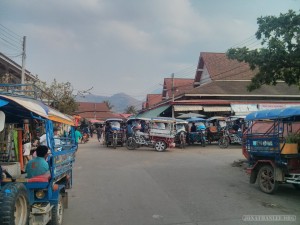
57,212
223,142
14,204
160,146
266,179
130,143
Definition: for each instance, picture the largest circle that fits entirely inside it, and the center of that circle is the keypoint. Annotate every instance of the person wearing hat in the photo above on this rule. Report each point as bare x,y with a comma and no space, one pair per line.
38,166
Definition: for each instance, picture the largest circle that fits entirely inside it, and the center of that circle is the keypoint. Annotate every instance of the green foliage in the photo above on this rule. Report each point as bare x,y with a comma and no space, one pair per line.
279,59
292,138
130,110
60,96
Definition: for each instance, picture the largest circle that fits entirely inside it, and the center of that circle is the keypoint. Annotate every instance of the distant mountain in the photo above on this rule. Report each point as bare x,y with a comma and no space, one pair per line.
120,101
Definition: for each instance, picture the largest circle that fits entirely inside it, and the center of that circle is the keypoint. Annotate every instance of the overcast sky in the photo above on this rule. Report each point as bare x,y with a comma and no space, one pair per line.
129,45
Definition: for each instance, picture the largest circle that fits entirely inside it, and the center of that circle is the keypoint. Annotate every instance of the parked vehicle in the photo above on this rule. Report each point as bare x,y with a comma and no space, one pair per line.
181,132
160,136
267,144
215,126
199,136
230,136
40,199
114,132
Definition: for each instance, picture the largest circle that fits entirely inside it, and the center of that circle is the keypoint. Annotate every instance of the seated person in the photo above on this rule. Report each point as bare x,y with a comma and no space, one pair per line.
57,141
193,128
38,166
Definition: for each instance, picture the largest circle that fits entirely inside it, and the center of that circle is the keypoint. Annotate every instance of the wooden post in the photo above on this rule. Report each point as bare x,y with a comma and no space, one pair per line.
20,146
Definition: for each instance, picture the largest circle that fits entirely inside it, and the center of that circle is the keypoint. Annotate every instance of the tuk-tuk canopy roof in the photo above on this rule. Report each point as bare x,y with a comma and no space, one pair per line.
273,114
114,119
163,119
26,106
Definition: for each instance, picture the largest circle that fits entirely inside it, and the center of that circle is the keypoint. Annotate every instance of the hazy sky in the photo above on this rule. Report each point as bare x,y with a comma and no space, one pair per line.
128,45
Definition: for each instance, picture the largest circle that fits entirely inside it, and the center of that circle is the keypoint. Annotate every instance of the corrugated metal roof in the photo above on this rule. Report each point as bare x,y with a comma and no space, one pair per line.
153,112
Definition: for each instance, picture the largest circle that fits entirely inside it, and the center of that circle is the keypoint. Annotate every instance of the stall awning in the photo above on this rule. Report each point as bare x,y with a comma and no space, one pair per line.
153,112
180,108
57,116
32,105
216,109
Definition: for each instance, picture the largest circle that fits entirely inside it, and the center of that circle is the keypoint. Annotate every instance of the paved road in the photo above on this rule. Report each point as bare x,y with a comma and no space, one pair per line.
195,186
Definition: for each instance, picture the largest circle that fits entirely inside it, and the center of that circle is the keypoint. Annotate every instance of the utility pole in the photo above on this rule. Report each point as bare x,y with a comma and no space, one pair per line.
172,87
172,94
23,61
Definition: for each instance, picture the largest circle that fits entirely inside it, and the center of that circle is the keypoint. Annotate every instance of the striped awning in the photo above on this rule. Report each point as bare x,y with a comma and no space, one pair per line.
181,108
216,109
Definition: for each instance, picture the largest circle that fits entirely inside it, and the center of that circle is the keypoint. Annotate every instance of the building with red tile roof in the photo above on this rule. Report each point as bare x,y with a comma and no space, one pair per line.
152,99
180,85
220,88
92,110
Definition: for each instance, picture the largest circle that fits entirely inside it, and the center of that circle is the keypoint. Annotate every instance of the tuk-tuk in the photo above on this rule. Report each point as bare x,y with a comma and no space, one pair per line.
215,127
160,135
40,199
181,132
199,134
271,146
114,132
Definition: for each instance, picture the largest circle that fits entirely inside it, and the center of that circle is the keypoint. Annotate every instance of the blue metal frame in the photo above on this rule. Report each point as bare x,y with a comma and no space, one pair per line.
266,146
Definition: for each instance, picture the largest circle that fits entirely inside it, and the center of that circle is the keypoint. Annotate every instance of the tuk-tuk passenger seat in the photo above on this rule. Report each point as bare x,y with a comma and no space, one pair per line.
40,178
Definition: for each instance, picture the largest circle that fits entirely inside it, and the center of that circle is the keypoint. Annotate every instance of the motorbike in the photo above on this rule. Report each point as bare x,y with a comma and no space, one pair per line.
230,137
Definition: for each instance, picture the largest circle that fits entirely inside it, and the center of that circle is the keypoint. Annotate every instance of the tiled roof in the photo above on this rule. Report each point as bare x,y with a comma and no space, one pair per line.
181,85
152,99
98,115
92,110
220,67
240,88
92,106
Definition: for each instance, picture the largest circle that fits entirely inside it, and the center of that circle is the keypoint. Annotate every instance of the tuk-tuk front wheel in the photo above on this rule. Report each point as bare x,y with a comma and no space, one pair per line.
57,212
14,204
160,146
266,179
130,143
224,142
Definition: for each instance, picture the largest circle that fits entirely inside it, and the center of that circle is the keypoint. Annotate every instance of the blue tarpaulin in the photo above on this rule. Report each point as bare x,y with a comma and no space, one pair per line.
274,114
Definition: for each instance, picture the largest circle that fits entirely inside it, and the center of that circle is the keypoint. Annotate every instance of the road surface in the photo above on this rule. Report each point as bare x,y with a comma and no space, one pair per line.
195,186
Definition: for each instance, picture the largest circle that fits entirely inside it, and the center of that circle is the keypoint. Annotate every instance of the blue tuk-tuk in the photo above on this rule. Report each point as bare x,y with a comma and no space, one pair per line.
40,199
271,146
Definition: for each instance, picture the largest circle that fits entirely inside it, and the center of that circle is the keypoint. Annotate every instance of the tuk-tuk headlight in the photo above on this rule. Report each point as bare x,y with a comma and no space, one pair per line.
40,194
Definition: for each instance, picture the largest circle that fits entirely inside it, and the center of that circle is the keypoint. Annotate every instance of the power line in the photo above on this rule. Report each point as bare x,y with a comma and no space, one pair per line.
10,32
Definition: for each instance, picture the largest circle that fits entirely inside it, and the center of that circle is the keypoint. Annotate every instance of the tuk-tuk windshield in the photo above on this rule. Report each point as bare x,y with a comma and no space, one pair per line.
115,124
180,126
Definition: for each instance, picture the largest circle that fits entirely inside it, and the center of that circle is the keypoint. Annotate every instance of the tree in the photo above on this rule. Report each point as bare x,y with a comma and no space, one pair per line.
279,58
59,95
130,110
109,105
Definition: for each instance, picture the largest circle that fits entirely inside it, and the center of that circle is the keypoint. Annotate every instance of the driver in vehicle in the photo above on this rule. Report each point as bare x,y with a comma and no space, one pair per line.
39,165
